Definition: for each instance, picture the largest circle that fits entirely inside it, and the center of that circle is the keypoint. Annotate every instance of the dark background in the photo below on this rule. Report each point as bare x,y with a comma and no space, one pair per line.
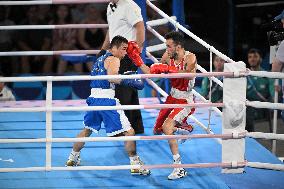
233,27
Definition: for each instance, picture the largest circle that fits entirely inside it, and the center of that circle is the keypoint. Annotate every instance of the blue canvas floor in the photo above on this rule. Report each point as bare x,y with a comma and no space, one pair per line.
68,124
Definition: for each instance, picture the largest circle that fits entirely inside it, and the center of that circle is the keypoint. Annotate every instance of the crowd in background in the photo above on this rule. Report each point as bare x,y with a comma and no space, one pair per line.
49,40
53,40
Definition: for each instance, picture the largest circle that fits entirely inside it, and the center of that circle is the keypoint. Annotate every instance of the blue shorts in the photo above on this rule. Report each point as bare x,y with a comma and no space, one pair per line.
115,121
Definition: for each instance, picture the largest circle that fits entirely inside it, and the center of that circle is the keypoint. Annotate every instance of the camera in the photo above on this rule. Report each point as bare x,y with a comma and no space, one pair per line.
273,37
275,32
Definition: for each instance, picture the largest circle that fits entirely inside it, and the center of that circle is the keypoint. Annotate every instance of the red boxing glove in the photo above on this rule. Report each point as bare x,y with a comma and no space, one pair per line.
155,68
172,69
133,52
158,68
133,47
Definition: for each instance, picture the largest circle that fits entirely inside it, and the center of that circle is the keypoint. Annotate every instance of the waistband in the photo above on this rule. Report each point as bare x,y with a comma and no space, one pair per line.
181,94
102,93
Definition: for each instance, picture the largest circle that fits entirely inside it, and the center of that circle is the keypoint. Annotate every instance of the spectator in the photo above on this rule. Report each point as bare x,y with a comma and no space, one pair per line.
91,39
64,39
6,43
216,90
77,12
258,89
34,40
46,14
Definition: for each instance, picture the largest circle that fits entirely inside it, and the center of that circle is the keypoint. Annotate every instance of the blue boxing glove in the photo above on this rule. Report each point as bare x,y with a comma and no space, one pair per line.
134,83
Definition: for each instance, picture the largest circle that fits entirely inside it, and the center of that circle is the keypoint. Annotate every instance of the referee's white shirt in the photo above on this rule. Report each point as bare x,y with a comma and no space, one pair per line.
121,20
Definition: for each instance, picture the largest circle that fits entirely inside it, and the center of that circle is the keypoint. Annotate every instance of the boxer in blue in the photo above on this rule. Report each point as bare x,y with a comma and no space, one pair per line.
102,94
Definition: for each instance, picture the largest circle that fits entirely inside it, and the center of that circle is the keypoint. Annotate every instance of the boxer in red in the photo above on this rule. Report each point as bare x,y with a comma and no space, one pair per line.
172,120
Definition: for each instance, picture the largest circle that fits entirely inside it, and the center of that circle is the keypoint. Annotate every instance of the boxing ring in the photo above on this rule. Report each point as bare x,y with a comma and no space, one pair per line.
36,140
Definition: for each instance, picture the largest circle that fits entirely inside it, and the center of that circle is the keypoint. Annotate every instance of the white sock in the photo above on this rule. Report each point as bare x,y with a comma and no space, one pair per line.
177,159
134,158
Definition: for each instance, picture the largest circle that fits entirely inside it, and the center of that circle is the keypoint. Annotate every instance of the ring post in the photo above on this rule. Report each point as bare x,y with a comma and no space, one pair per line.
234,120
178,11
48,124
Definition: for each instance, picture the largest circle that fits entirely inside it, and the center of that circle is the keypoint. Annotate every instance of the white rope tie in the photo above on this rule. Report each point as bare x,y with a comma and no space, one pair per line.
210,94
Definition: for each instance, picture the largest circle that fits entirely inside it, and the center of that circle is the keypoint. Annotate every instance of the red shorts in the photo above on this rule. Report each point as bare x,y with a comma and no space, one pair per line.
178,114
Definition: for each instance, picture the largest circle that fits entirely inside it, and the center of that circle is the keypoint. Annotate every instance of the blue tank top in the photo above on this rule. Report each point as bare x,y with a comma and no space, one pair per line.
99,69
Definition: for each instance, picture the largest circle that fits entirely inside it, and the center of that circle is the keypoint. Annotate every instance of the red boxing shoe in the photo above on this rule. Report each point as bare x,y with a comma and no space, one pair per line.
185,126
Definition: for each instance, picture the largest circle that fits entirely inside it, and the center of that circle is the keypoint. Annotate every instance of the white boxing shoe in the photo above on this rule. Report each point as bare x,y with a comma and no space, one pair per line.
177,173
138,161
73,160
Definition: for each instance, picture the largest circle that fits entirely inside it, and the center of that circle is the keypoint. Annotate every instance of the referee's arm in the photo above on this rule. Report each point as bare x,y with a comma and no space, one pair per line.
140,34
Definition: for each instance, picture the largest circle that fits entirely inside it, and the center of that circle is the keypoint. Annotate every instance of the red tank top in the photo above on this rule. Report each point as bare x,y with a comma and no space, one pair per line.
179,83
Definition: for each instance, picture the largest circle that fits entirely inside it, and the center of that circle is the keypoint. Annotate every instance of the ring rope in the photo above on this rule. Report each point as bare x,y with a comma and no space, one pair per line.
204,128
149,55
123,138
197,165
158,47
210,94
63,26
142,76
159,22
258,165
272,75
268,105
124,167
151,23
155,33
120,107
47,53
205,100
49,2
275,113
38,53
156,87
259,135
219,82
106,77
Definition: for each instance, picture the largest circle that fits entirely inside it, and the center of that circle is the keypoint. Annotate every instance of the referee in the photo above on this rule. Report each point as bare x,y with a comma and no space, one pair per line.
125,19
